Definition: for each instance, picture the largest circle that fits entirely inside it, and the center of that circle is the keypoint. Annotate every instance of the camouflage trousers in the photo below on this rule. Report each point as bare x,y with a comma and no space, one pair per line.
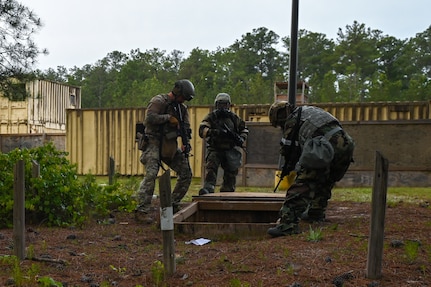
150,159
230,161
308,196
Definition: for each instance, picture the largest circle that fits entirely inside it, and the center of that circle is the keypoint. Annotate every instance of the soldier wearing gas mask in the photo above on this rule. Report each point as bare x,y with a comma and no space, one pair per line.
225,134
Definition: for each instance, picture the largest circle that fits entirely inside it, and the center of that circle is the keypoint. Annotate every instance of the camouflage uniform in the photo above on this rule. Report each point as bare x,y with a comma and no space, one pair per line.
229,133
308,197
162,146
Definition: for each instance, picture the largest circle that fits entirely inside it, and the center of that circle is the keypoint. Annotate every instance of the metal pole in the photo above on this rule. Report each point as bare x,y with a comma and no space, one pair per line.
293,60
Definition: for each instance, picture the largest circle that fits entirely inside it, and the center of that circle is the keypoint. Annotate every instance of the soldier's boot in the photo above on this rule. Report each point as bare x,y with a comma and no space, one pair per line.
284,229
227,189
144,217
144,213
207,189
229,182
203,191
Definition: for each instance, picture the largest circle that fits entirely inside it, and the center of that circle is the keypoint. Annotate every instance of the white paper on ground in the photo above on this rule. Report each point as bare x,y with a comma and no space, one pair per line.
200,241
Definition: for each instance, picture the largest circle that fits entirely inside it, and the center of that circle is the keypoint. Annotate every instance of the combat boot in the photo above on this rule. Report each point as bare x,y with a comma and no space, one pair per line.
143,215
283,230
203,191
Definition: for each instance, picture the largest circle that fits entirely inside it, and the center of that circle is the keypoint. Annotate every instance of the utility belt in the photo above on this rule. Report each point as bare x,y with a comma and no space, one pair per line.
328,130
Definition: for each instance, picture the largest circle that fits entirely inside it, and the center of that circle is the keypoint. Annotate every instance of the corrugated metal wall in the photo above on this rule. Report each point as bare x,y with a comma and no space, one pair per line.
44,111
48,103
94,135
13,117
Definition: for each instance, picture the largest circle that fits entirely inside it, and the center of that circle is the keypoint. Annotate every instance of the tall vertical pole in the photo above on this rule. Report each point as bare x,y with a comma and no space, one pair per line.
293,60
19,210
167,223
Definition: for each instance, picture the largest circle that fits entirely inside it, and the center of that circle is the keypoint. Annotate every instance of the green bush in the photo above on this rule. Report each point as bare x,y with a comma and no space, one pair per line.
58,197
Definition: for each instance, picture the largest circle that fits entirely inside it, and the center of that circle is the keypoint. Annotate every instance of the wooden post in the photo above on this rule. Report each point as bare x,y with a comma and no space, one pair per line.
378,209
19,210
167,222
111,171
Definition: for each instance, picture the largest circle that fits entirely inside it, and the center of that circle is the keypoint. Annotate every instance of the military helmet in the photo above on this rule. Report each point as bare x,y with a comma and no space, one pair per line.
222,101
278,113
184,88
222,97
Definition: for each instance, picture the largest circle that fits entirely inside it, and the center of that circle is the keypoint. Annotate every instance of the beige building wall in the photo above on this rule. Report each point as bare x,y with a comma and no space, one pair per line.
13,116
43,111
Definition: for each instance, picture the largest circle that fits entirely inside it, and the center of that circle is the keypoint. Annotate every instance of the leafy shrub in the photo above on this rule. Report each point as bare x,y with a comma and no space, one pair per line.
58,197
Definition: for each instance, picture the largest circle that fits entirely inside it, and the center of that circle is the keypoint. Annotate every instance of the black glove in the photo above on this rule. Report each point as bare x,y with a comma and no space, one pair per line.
240,141
287,168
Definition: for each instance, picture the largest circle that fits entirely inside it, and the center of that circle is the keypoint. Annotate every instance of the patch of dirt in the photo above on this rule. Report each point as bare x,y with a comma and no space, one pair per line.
120,252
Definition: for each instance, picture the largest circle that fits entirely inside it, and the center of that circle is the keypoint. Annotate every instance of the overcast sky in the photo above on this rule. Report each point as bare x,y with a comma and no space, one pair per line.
81,32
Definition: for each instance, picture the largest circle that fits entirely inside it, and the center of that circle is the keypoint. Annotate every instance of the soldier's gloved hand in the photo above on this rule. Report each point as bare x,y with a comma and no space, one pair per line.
240,142
173,121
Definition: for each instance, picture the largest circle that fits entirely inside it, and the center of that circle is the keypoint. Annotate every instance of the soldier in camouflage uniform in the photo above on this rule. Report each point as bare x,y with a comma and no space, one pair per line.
225,133
307,198
162,124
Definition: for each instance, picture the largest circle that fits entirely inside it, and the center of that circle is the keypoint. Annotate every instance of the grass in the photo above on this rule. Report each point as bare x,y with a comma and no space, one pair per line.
356,194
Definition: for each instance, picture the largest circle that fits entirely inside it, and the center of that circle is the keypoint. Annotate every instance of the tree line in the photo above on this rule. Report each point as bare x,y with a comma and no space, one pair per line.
361,64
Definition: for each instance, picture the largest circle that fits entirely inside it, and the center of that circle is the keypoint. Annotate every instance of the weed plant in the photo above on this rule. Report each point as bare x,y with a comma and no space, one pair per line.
158,273
411,249
314,235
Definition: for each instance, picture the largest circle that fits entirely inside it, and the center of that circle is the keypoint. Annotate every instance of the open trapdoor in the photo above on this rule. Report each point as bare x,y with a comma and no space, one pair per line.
229,214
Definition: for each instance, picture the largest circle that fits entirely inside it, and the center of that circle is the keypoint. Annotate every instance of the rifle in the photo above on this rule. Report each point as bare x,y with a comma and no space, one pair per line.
185,133
239,141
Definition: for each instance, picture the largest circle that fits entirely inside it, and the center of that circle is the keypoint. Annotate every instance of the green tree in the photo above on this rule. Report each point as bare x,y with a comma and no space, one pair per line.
61,74
18,51
253,54
96,85
200,68
127,89
357,60
419,72
360,65
422,48
315,60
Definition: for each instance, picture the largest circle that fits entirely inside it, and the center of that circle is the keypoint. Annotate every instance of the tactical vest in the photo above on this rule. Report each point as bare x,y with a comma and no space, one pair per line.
312,119
223,141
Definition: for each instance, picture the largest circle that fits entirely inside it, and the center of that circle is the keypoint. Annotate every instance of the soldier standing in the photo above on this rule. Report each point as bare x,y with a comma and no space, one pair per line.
166,119
225,133
314,145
